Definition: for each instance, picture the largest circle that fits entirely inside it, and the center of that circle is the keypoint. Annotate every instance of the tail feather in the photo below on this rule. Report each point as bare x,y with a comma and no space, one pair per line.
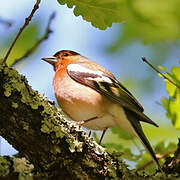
144,118
133,119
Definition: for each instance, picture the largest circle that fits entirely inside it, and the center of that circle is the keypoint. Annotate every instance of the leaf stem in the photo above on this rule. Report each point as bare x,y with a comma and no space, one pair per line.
164,76
27,20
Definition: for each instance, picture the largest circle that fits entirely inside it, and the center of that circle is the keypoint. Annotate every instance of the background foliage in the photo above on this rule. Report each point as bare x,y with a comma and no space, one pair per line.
172,104
149,21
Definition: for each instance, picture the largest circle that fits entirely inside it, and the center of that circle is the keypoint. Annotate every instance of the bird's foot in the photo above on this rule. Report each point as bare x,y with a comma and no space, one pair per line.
79,123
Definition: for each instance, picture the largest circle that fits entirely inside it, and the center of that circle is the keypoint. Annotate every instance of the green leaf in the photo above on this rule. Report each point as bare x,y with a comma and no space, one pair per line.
175,111
172,104
148,21
165,102
176,72
162,68
160,147
101,13
171,147
171,89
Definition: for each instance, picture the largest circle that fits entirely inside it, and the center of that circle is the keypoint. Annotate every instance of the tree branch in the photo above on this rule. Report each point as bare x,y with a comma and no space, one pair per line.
165,77
38,42
27,20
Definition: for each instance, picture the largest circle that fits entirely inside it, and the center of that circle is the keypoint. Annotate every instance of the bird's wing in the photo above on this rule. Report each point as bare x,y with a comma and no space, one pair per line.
108,86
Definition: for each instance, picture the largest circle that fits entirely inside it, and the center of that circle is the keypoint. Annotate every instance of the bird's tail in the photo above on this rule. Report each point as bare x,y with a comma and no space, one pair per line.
132,117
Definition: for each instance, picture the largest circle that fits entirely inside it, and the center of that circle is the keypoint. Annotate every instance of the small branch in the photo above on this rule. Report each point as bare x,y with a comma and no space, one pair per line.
27,20
5,22
43,38
158,156
165,77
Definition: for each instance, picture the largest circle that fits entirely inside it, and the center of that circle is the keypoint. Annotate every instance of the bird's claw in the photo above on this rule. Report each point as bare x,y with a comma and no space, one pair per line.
80,123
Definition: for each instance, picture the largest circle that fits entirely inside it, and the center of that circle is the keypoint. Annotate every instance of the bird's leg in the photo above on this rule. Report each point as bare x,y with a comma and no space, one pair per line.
89,133
90,119
81,123
104,131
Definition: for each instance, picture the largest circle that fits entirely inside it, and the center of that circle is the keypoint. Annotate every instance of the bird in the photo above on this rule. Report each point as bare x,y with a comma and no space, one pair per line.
90,95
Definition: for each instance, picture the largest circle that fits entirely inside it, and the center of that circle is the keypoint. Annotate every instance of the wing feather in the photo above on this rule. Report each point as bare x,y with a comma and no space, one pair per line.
108,86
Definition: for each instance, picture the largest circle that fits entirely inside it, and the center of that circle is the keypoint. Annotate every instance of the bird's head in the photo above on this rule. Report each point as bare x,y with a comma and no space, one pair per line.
62,58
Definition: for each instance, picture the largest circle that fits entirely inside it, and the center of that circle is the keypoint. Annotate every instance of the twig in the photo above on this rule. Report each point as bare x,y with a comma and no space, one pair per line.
158,156
44,37
27,20
5,22
165,77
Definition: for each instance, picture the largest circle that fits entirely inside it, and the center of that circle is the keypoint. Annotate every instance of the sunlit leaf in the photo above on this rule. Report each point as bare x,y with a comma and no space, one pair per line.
171,146
172,104
171,88
162,68
176,72
160,147
150,21
101,14
175,111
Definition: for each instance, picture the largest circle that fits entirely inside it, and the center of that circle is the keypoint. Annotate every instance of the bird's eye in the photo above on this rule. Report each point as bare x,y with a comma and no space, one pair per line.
65,54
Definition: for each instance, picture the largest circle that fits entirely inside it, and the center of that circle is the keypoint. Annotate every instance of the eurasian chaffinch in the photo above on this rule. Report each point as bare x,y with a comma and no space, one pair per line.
88,93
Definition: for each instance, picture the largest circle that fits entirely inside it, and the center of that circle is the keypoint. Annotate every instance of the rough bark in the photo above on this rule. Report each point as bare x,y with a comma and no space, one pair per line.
57,148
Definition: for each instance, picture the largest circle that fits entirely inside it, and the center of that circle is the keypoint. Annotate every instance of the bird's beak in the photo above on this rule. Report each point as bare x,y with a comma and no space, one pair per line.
51,60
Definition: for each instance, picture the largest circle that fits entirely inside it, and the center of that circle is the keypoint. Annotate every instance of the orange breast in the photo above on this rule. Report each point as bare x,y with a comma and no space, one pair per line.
78,101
